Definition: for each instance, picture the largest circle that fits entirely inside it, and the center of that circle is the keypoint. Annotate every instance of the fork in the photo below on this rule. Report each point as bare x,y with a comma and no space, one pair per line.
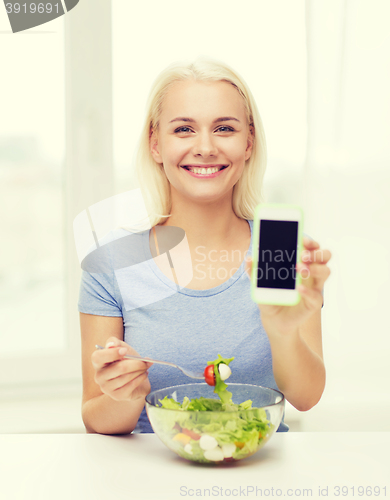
186,371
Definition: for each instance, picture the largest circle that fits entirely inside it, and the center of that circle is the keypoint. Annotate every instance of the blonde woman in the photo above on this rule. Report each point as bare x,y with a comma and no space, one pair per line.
201,162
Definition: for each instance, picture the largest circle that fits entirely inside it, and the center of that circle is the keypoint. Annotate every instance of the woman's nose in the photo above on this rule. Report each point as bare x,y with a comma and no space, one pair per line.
204,145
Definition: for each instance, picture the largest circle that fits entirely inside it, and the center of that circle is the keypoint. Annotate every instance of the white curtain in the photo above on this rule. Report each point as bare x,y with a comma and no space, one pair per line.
348,73
345,193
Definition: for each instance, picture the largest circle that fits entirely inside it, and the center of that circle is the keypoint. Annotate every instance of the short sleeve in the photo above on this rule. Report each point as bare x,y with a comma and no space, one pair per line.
97,295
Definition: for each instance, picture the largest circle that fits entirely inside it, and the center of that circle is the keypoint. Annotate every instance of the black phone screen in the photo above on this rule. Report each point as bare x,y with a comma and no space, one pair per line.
277,254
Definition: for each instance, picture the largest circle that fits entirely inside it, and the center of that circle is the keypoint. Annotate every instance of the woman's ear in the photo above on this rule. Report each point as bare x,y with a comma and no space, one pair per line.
154,148
250,141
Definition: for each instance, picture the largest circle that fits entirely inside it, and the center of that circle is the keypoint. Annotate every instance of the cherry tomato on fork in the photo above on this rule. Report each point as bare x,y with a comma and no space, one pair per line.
209,375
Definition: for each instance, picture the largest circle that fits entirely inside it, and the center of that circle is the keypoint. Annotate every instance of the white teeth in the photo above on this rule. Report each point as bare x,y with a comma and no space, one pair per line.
203,171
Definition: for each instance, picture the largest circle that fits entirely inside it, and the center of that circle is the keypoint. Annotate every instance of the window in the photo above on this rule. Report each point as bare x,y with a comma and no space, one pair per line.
32,146
54,98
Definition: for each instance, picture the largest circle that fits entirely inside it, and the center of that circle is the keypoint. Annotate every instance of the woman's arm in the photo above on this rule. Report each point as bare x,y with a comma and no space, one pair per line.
114,389
297,362
294,333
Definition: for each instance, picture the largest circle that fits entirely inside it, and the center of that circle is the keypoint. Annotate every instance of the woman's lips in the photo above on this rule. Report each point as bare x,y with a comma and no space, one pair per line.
209,165
205,176
203,167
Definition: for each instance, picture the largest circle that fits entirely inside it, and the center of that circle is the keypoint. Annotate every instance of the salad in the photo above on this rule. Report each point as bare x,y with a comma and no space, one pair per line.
218,429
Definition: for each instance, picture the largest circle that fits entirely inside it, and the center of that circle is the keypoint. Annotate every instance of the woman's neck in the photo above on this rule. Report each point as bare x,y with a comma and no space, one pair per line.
212,225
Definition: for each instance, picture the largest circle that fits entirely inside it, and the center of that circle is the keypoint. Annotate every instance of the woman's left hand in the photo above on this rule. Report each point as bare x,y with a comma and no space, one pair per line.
314,272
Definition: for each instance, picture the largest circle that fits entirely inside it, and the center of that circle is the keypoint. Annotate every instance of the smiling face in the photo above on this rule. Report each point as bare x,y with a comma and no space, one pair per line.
203,139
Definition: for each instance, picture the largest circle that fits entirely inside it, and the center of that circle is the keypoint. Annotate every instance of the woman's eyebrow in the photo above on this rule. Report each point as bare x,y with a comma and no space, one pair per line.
217,120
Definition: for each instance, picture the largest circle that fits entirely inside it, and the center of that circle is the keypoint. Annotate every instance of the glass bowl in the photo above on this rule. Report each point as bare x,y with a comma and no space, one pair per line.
216,436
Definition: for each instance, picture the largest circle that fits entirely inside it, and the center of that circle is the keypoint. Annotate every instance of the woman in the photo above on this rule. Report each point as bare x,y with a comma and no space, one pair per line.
201,163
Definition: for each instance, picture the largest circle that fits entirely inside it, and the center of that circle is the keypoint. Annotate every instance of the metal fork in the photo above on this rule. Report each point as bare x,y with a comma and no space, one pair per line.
186,371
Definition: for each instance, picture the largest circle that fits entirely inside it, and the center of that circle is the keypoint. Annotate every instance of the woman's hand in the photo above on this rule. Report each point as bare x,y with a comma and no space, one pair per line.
121,379
314,272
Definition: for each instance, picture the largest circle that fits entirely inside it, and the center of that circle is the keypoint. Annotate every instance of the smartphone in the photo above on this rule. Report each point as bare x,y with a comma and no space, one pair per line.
277,248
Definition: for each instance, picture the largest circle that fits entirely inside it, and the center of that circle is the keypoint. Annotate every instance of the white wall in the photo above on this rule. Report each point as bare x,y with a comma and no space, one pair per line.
326,115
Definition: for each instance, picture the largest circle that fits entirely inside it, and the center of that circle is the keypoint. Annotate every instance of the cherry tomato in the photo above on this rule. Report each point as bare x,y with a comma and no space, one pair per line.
209,375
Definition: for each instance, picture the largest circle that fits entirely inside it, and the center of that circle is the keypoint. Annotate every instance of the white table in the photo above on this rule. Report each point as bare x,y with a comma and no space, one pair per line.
137,467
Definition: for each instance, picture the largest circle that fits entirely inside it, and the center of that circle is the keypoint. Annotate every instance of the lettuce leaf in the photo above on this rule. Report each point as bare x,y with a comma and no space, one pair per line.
220,386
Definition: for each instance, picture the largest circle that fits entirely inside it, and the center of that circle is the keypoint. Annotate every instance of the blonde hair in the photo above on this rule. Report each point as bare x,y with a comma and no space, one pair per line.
154,185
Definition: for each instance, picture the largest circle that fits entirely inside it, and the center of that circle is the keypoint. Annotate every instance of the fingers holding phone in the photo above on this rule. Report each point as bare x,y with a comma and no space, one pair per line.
313,269
296,266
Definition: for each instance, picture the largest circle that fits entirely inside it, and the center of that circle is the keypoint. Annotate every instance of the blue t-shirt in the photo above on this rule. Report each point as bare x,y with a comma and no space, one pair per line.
187,327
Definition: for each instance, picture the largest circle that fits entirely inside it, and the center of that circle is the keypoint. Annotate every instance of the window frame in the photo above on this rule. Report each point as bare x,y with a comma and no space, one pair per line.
88,178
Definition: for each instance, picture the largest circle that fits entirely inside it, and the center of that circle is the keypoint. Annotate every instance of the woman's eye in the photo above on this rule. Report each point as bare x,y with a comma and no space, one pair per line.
182,129
227,129
219,129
